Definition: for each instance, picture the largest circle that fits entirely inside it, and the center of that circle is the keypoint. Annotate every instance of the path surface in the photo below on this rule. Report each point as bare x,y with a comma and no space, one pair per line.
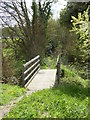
43,80
4,110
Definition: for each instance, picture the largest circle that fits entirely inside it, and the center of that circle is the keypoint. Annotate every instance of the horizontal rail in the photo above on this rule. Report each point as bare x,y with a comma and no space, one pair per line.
31,72
26,64
31,78
30,69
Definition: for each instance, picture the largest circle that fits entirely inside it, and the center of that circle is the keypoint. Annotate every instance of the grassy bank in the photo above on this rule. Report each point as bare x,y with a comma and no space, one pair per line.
69,100
9,92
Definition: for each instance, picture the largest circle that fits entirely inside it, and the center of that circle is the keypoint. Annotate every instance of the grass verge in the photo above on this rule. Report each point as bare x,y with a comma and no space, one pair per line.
9,92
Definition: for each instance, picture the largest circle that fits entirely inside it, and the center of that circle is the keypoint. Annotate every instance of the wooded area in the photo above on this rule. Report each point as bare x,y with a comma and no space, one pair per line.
25,37
28,32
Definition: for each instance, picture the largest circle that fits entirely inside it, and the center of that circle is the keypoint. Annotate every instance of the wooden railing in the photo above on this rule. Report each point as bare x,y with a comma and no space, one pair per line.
58,70
30,69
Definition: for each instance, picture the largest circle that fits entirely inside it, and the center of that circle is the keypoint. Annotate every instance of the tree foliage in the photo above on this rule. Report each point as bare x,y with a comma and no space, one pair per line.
52,35
60,39
72,9
81,28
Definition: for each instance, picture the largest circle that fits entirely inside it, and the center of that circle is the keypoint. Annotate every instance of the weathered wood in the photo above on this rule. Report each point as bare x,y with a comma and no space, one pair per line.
58,70
31,78
30,69
31,72
44,79
28,63
23,76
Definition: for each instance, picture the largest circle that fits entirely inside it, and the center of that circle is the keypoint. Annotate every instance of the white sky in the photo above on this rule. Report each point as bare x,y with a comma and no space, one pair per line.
56,7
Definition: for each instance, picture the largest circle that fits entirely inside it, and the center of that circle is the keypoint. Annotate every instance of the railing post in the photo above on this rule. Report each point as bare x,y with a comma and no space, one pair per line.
21,83
23,76
58,70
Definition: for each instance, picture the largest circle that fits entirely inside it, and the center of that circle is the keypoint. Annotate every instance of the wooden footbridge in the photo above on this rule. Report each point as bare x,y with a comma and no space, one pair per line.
35,78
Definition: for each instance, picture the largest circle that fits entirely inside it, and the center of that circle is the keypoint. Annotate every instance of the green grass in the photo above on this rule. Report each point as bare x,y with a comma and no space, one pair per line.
69,100
72,76
9,92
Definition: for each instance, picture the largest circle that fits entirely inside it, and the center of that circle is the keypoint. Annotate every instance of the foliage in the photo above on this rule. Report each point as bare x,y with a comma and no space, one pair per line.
52,35
48,63
82,50
12,66
9,92
69,100
72,76
71,9
70,48
60,39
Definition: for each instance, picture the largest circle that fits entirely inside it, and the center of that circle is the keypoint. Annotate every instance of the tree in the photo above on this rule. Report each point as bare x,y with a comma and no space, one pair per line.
52,36
60,40
72,9
25,34
81,28
69,39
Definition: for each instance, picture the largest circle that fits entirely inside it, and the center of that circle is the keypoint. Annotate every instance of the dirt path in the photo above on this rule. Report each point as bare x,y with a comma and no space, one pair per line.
4,110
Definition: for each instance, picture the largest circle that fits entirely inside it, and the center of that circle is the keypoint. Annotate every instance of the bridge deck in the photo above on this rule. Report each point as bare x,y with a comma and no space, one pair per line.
44,79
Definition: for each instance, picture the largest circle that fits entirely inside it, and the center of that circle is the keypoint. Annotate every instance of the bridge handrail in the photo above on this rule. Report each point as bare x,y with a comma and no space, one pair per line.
30,69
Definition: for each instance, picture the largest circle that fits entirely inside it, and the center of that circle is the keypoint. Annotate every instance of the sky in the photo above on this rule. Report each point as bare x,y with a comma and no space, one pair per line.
56,7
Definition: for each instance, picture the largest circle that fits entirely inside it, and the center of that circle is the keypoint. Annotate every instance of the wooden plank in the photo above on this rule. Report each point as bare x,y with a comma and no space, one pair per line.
31,72
31,67
44,79
26,64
